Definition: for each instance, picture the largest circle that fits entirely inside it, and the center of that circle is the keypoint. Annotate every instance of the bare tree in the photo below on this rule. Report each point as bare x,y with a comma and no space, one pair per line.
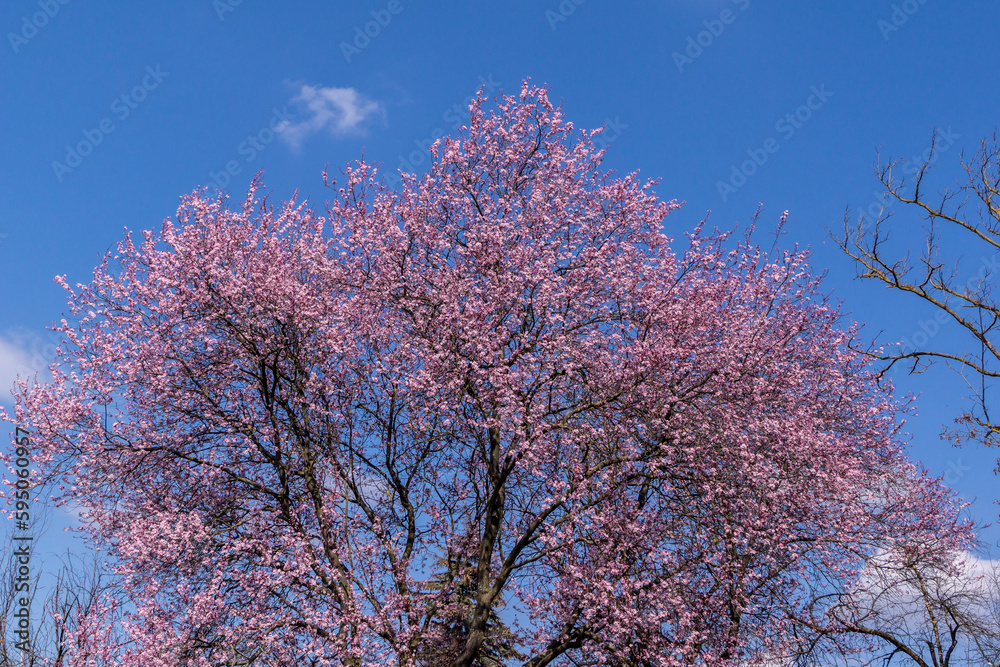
958,222
77,587
909,608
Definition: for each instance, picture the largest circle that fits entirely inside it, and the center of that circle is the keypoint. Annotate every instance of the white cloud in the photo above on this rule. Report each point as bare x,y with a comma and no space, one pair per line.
23,354
339,111
889,592
73,512
14,360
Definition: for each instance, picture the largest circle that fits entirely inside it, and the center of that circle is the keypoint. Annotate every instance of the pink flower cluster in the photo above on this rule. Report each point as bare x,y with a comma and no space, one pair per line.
284,424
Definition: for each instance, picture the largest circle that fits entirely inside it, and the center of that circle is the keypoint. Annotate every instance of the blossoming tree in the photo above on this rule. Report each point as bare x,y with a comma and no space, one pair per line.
488,418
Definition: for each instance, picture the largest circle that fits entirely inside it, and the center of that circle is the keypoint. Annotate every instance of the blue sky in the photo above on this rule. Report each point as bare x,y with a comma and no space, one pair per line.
112,111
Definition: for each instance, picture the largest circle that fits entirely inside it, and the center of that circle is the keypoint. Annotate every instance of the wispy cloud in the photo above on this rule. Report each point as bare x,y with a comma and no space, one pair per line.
74,511
337,111
22,354
14,359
